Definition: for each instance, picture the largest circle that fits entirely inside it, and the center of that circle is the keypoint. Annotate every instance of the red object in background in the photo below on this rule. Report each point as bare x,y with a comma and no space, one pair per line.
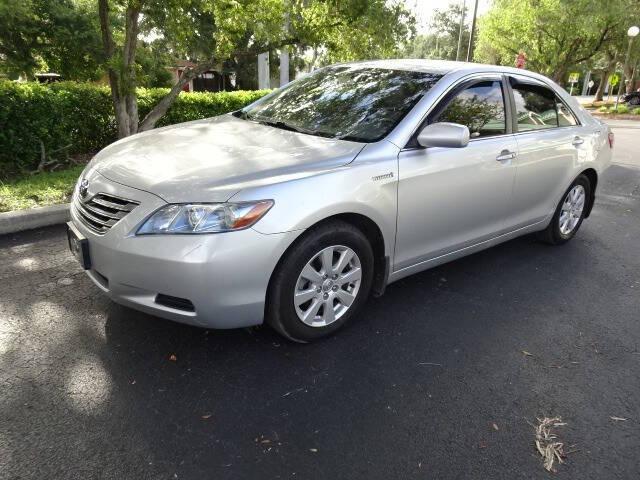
185,87
521,60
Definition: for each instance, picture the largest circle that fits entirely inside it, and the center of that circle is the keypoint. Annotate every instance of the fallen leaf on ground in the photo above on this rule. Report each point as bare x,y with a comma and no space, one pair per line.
618,419
495,427
314,450
173,358
206,416
527,354
547,444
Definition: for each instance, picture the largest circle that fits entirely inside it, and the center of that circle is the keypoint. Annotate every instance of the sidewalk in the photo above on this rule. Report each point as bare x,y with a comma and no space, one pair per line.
621,123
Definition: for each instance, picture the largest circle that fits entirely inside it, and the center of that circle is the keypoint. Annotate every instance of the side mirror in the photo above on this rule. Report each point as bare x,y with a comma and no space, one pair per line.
444,134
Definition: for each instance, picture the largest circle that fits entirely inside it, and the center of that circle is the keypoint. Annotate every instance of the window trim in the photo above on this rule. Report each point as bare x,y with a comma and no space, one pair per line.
510,79
453,91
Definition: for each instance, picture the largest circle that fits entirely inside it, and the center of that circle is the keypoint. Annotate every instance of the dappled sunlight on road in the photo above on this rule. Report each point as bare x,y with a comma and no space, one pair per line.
88,385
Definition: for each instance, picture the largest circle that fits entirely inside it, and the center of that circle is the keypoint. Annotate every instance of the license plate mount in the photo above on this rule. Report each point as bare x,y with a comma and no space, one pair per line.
79,246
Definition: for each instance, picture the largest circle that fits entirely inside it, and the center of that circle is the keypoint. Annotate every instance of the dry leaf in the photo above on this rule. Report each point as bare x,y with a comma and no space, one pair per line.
173,358
495,427
618,419
527,354
205,417
314,450
546,442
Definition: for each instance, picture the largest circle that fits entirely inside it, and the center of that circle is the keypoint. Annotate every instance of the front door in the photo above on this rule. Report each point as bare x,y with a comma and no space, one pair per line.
451,198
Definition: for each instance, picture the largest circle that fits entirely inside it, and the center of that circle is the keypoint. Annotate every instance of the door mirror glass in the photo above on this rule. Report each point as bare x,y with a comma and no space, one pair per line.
444,134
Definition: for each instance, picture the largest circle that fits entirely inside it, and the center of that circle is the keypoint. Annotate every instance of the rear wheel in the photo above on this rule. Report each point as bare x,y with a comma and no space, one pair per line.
321,282
569,214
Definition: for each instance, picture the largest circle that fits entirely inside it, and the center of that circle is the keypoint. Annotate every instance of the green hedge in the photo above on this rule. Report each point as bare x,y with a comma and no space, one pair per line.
80,116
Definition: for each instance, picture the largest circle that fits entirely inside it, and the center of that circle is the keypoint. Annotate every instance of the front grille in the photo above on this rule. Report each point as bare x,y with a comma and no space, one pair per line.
102,211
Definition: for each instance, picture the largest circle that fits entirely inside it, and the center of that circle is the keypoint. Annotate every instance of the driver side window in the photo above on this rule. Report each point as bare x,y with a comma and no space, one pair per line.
480,107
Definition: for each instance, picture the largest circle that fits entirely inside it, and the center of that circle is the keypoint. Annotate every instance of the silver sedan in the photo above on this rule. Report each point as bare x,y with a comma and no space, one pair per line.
296,208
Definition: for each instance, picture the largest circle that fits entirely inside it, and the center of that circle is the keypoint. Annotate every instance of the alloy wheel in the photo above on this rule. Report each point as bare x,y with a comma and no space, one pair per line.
327,286
572,209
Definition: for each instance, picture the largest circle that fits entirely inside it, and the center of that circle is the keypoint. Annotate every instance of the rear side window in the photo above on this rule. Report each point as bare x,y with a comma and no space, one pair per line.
536,107
480,107
565,116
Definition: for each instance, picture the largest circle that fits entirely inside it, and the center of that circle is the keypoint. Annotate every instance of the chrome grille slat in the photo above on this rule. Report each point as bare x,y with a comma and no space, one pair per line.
102,211
92,208
85,212
105,203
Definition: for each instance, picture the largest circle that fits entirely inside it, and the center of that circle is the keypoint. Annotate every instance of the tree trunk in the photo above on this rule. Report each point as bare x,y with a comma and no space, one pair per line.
163,105
122,80
628,75
560,74
601,85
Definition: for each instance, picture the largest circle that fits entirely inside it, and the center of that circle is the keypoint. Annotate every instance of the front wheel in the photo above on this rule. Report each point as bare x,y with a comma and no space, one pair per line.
321,282
569,213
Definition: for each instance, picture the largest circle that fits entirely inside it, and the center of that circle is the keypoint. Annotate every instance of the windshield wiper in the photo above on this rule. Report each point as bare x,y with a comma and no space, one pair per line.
282,125
350,138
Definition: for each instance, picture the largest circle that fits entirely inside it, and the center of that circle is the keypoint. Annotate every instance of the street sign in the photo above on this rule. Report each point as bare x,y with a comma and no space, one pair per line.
574,77
614,79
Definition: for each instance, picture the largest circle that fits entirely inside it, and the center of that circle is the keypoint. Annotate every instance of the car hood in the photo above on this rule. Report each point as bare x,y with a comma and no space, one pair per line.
210,160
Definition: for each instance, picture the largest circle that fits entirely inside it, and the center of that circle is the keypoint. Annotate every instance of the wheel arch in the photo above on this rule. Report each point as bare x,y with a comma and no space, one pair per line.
592,175
371,230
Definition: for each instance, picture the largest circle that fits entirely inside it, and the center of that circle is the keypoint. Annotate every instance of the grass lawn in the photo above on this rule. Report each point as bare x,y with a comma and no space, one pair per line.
38,190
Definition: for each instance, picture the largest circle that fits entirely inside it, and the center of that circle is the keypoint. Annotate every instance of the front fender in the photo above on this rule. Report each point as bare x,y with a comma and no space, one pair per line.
367,186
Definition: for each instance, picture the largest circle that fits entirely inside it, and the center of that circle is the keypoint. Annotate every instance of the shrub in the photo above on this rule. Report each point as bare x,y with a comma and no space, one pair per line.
69,118
622,109
603,109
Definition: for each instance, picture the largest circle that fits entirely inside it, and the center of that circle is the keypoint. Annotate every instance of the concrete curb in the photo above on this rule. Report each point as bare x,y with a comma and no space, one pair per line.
12,222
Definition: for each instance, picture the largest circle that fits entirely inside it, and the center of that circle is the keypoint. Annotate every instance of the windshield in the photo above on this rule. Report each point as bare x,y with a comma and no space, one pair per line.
362,104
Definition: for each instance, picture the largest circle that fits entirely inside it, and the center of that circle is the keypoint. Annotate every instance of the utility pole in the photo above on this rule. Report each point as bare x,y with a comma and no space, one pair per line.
284,54
471,34
464,6
263,71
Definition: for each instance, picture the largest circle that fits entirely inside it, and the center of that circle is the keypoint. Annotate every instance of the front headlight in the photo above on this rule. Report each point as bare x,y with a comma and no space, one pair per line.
205,217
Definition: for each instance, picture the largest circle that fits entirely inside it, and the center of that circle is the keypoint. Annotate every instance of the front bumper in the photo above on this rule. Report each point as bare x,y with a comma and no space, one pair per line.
224,276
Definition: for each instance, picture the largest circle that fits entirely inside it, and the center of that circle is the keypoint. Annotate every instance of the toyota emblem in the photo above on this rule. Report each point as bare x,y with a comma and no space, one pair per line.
84,187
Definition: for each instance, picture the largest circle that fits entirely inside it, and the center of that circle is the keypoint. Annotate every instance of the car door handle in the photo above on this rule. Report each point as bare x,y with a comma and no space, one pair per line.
506,155
577,141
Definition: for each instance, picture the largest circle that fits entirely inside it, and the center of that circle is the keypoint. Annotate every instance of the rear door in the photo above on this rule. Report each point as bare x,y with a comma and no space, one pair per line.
450,198
550,143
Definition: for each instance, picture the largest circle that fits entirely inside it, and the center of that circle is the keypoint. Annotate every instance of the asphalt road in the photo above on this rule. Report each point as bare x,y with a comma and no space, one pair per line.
431,383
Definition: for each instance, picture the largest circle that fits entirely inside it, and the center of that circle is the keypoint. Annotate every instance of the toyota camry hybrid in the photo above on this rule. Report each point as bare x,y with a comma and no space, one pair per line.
293,210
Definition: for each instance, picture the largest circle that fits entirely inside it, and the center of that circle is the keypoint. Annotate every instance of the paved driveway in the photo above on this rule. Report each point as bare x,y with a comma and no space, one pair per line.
431,383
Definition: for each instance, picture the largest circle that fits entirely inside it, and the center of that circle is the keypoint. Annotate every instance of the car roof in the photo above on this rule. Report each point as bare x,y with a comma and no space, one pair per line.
441,67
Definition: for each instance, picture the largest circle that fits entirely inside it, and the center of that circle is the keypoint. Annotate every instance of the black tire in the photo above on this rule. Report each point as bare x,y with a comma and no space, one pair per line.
281,312
552,234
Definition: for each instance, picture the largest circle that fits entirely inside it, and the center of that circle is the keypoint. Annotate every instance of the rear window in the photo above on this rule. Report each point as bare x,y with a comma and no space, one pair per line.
535,107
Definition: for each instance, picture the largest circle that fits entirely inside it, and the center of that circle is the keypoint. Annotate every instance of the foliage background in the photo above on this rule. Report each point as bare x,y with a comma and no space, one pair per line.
69,118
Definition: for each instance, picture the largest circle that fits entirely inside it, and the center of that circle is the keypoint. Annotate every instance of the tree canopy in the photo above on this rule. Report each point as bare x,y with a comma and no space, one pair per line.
43,35
554,34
